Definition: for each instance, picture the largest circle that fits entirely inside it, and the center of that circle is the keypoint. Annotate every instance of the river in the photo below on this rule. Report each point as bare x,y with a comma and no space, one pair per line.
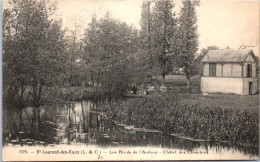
81,123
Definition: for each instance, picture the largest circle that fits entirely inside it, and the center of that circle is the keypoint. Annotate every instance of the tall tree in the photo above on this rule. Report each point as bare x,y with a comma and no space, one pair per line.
33,47
163,30
188,39
109,46
145,32
146,63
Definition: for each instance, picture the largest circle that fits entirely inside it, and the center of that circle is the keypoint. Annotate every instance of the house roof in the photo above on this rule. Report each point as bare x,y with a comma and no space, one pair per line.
227,55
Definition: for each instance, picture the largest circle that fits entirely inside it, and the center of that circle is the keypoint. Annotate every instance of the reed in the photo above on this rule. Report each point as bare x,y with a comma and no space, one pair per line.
167,113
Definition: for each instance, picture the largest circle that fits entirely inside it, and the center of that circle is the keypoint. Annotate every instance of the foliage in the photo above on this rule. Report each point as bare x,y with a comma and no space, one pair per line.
158,27
167,112
187,41
109,48
33,47
145,62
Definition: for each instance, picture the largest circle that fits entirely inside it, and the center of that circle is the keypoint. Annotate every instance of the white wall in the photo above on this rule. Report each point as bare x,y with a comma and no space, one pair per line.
246,85
250,58
227,70
236,70
206,69
223,85
253,69
218,70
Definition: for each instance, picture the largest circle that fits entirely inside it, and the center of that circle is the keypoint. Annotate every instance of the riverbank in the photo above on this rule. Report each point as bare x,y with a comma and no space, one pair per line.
219,117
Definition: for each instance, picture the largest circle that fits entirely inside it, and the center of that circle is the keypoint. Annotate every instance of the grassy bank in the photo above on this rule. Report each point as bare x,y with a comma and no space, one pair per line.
51,95
214,118
178,80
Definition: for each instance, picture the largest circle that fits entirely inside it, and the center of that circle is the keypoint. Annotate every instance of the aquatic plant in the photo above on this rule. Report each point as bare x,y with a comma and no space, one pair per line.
168,113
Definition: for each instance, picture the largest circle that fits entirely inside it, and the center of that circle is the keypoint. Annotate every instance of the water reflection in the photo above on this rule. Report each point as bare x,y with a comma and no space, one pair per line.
81,123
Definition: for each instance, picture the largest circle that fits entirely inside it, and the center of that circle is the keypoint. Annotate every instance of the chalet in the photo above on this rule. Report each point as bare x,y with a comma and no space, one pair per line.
229,71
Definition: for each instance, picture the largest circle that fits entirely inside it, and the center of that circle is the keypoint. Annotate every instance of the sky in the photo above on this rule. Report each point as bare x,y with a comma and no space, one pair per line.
220,22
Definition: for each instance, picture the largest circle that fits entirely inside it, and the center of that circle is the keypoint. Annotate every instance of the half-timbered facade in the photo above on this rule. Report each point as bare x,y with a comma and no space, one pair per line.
229,71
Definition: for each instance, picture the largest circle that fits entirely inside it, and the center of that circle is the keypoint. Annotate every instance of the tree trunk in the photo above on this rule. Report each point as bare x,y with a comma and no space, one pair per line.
149,35
164,47
39,116
90,119
37,123
83,115
21,119
70,125
188,83
98,75
39,93
92,79
102,83
102,78
163,79
33,123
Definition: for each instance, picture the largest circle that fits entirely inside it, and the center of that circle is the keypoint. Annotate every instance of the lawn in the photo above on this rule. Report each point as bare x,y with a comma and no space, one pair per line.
178,80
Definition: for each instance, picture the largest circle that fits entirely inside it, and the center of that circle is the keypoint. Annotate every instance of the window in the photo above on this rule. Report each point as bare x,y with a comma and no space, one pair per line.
249,70
212,70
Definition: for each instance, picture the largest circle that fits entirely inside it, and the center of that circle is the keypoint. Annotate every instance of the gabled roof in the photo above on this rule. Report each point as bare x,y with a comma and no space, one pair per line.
227,55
